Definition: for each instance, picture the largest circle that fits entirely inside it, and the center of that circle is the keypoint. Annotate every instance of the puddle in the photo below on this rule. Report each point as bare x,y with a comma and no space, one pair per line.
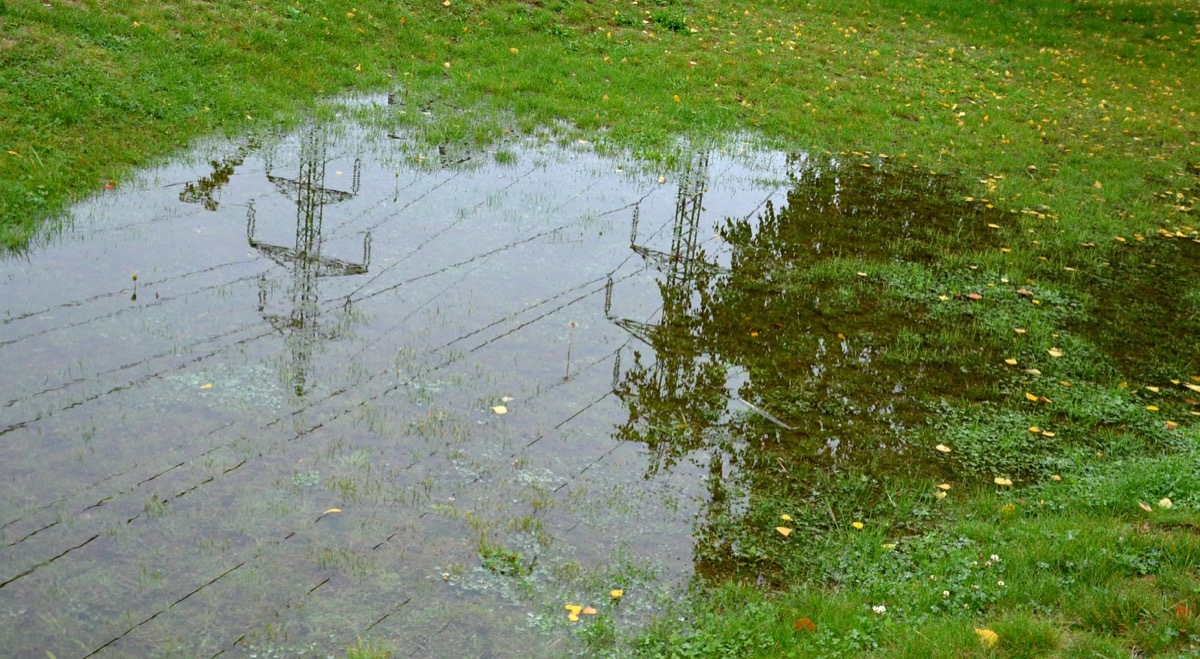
308,388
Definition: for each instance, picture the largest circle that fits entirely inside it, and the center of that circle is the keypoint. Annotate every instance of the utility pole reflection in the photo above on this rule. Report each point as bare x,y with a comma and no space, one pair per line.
301,325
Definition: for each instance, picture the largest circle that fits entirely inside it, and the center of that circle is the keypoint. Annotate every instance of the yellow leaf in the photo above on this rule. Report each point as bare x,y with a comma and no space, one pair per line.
1064,383
676,98
1152,408
1055,477
1034,429
1154,389
1047,433
888,545
1032,371
1191,386
857,525
943,298
1008,509
944,486
332,510
1018,330
514,51
573,617
616,594
500,409
588,611
783,531
1165,503
206,386
1145,507
939,495
1029,396
1010,361
573,608
1055,352
943,448
1000,480
987,637
786,518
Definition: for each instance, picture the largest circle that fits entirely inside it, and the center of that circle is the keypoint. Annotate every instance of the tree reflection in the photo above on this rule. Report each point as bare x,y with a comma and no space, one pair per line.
759,371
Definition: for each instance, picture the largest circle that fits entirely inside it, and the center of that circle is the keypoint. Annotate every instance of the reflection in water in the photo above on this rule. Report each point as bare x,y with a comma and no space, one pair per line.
301,323
204,190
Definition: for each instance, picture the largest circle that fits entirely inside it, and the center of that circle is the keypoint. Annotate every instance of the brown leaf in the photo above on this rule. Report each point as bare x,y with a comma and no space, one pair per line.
805,625
974,296
1025,292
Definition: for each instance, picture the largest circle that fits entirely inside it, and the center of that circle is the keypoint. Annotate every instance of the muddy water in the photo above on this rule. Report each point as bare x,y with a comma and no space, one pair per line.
284,433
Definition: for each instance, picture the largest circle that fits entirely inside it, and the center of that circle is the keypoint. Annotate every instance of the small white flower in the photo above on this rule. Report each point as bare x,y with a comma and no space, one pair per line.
1000,583
994,558
945,594
879,609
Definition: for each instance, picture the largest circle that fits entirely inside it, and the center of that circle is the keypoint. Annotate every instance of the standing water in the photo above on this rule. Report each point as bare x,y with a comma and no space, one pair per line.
319,388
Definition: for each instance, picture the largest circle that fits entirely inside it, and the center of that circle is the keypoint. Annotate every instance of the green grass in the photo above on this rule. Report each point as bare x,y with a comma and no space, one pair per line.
1063,135
1032,102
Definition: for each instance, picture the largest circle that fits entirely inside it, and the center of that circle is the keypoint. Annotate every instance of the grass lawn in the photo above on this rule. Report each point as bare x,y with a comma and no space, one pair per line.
1047,498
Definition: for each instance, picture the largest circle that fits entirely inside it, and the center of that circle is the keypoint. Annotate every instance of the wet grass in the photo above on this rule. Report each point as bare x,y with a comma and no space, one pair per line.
998,182
960,439
1080,108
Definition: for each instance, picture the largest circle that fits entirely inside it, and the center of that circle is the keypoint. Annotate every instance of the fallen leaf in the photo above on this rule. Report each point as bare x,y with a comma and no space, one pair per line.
783,531
943,298
1024,292
944,486
1031,397
974,296
1182,611
1171,425
1018,330
1047,433
573,617
331,511
1191,386
1034,429
939,495
1154,389
1145,506
1055,477
574,609
500,409
1000,480
1164,503
1010,361
786,518
1055,352
1152,408
857,525
1008,509
988,637
588,611
943,448
206,386
1032,371
805,625
861,274
616,594
1064,383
